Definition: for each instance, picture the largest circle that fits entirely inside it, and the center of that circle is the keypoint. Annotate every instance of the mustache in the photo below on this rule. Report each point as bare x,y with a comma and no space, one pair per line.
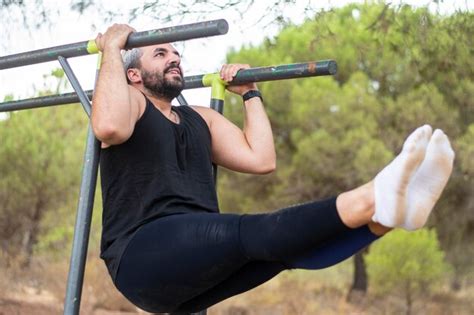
173,66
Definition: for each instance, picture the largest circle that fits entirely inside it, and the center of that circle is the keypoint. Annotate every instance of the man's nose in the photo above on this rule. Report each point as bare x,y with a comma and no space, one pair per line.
175,60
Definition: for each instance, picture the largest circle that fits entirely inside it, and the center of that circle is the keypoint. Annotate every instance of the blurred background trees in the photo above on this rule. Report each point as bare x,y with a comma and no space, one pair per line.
398,67
409,264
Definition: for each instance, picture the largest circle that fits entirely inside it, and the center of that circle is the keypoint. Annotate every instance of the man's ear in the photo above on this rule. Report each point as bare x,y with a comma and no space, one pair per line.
134,75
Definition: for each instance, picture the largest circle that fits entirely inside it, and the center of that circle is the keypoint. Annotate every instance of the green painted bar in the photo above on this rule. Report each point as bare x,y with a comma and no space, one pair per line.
281,72
271,73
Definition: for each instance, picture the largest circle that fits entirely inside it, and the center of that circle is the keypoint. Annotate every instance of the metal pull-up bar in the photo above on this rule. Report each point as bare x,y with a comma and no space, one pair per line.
137,39
271,73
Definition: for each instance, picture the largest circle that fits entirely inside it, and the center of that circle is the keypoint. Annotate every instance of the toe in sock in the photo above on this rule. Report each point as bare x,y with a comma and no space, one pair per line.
391,183
429,181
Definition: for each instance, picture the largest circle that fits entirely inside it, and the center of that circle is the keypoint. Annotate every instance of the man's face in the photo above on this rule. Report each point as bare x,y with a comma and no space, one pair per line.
161,71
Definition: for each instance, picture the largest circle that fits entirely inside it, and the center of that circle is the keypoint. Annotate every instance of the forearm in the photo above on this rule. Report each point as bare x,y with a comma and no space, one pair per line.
250,150
258,132
111,103
112,107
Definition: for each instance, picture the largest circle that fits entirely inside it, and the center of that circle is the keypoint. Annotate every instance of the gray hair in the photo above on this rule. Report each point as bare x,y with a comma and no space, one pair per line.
131,59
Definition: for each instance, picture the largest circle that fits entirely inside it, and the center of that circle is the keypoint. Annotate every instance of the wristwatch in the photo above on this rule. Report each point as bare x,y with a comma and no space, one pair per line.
252,93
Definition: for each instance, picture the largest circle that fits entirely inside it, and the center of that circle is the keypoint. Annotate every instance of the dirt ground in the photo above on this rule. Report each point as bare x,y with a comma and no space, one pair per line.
263,301
291,293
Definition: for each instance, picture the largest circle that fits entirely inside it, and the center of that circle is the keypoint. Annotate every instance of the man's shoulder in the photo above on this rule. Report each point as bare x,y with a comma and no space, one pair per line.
205,112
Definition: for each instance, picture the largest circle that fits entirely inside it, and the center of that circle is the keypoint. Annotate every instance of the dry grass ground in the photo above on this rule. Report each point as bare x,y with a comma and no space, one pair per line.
41,289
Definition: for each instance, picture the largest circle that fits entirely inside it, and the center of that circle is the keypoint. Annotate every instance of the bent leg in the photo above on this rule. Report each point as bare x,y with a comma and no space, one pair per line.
174,259
336,250
256,273
312,235
289,233
248,277
179,258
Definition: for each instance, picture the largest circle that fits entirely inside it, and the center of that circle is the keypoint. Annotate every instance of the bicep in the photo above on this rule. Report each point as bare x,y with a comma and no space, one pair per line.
230,147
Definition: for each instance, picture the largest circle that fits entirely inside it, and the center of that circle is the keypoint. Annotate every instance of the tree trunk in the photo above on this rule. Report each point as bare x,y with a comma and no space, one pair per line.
409,299
456,281
360,283
31,235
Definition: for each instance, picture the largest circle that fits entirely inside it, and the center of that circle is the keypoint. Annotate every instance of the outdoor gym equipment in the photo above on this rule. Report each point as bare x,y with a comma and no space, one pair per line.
91,155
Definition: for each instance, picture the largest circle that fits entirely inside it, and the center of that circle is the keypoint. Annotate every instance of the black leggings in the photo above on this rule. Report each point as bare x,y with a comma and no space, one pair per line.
188,262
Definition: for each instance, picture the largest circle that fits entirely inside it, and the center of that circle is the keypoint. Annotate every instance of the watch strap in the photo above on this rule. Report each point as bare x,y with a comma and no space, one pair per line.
252,93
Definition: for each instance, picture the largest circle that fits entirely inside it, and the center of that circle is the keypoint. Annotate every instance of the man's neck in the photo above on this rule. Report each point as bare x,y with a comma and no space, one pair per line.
161,103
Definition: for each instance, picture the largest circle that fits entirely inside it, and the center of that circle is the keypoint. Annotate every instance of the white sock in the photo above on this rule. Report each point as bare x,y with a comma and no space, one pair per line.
390,185
429,181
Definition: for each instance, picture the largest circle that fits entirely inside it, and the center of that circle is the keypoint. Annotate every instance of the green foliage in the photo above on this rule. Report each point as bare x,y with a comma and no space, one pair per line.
407,263
40,166
466,148
398,68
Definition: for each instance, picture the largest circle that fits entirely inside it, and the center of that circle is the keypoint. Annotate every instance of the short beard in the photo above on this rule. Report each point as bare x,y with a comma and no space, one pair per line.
159,86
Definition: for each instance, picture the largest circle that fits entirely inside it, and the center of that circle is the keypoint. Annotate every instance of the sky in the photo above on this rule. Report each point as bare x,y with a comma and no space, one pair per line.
200,56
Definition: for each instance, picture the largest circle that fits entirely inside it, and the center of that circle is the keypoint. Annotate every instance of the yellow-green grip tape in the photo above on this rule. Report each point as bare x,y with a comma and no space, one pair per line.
92,47
99,60
216,83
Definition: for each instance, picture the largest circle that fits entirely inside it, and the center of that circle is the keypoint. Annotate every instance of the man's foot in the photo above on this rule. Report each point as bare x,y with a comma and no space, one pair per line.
390,185
429,181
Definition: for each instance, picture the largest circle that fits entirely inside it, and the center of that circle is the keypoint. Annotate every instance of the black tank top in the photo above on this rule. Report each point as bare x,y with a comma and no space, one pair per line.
162,169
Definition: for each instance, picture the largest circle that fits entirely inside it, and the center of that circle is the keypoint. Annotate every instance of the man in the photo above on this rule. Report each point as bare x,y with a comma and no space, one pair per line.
166,246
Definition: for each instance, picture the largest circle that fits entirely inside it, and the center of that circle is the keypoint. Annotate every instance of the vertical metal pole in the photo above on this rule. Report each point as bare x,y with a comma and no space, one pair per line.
217,104
84,208
82,228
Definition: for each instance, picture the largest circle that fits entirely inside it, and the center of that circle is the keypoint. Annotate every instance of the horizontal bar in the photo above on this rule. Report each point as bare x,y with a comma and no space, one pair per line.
291,71
271,73
138,39
43,101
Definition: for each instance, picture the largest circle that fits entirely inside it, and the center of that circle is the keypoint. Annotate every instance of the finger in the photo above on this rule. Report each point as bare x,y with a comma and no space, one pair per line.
127,28
234,70
98,41
223,71
231,72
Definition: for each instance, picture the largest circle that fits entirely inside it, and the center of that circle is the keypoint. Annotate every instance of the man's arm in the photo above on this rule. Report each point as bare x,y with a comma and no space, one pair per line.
250,150
116,105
